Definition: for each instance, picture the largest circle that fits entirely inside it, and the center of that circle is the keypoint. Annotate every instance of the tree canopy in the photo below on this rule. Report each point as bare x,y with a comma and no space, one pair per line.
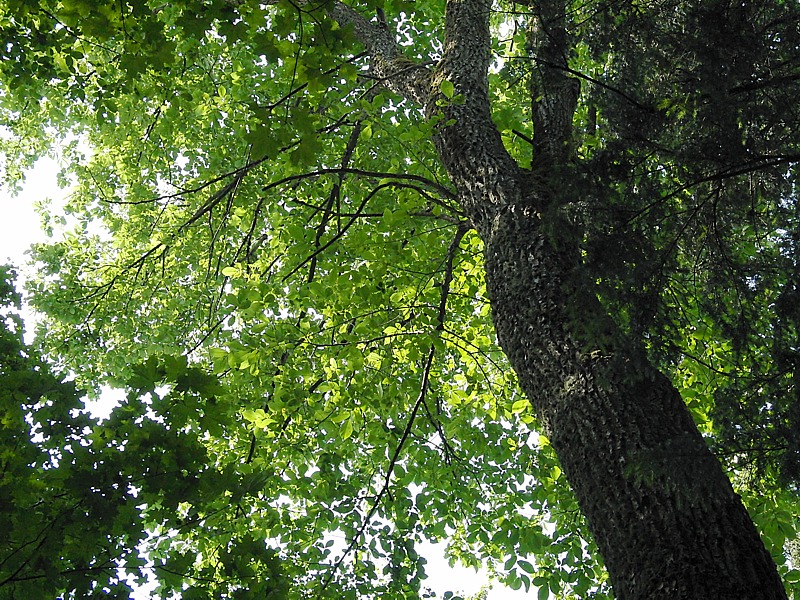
275,242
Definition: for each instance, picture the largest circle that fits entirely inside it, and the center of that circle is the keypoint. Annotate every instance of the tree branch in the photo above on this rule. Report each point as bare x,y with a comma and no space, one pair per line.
424,385
363,173
467,140
388,64
420,402
554,95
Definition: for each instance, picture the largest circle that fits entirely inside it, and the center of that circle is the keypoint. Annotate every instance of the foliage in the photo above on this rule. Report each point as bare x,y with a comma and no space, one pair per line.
262,246
61,513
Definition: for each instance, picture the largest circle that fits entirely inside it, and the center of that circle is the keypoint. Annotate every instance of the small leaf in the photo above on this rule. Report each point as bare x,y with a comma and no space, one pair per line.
447,88
526,566
519,406
347,429
544,592
341,417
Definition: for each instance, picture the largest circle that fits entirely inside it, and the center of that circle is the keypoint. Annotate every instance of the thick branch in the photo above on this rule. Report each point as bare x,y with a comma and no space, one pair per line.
554,94
397,73
468,141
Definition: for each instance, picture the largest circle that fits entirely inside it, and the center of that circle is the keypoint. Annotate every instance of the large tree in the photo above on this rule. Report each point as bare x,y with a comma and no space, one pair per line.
433,253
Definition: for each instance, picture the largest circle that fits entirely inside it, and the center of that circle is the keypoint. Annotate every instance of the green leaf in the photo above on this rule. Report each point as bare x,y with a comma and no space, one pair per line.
447,88
543,593
347,428
519,406
526,566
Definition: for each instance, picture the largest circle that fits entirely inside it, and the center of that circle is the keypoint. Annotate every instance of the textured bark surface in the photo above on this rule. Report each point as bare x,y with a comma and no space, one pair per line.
664,515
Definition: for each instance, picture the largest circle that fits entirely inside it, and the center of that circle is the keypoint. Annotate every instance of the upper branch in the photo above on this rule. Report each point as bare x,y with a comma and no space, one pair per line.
553,92
467,49
468,141
401,75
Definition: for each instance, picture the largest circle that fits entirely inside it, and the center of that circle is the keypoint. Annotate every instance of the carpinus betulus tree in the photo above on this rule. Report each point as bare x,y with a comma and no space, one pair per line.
522,276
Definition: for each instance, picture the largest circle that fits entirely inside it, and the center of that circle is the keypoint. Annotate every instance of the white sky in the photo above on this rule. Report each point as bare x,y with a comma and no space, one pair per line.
19,224
20,227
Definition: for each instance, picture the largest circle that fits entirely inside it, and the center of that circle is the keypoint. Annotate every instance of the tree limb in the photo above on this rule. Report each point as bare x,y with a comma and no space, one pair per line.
398,73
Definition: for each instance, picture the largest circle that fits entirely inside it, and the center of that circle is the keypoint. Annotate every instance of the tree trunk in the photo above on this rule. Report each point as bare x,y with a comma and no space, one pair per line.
665,517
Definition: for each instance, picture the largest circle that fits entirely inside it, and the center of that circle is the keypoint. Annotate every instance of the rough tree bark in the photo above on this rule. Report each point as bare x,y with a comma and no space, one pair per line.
665,517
